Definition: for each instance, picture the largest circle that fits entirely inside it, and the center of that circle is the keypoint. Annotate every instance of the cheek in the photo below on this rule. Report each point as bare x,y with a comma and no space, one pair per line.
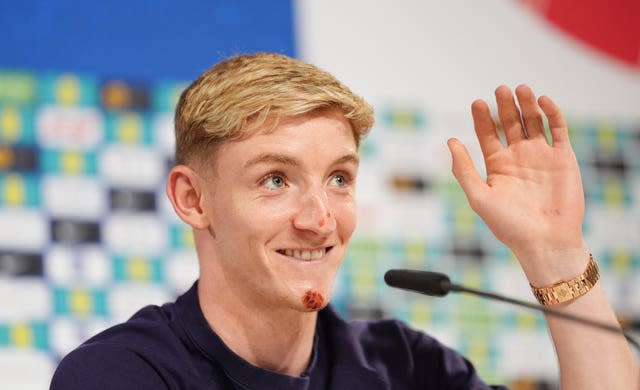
345,214
275,208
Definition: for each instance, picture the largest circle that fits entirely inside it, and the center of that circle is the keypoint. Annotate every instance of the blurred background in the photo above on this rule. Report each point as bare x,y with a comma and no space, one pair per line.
87,90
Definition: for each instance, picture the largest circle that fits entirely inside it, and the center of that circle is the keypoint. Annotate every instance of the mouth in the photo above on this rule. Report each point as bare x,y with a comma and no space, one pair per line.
305,254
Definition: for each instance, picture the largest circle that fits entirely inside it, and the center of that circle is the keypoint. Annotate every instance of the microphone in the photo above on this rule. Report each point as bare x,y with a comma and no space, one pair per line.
439,285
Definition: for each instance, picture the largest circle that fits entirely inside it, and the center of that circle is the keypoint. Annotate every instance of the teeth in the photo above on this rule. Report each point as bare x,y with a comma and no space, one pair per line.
305,254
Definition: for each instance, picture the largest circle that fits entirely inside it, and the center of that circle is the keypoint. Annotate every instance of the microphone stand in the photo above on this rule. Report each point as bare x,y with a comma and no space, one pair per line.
448,286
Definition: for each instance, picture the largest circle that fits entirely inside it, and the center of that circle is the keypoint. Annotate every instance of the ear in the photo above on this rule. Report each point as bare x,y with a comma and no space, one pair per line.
184,189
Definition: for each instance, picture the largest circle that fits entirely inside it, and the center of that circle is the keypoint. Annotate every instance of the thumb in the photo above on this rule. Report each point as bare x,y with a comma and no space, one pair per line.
465,172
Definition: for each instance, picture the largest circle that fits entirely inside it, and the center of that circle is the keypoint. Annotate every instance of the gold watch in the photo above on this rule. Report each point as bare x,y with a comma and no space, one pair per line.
567,290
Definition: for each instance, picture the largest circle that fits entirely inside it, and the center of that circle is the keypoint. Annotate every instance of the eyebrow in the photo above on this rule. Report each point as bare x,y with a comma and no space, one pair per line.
348,158
271,158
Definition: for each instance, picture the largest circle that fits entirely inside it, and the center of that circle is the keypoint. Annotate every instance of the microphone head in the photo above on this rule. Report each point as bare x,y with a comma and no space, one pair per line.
425,282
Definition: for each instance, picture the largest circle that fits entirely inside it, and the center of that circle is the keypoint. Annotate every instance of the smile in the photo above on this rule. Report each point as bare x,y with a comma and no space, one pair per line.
305,254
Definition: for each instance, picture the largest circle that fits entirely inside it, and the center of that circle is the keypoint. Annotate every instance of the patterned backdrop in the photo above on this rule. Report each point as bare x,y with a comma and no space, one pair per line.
87,236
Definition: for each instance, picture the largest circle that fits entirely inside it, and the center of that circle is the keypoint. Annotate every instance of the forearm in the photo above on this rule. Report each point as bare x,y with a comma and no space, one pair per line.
591,358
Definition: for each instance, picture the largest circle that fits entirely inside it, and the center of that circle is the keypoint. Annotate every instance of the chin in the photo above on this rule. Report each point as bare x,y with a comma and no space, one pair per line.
312,296
313,300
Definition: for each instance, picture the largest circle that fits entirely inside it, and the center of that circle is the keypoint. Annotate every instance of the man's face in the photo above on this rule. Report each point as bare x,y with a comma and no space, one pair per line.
282,206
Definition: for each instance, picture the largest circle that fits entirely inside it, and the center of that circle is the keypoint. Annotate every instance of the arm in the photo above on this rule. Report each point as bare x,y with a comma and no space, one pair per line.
532,200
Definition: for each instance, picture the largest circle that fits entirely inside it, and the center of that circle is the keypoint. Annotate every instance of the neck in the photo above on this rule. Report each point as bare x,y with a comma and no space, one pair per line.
280,340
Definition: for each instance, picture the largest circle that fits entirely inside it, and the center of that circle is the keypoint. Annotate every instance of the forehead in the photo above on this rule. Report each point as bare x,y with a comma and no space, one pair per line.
312,138
275,123
324,131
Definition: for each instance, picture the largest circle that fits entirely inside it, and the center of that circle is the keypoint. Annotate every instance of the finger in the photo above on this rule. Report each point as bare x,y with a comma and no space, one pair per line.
557,123
531,113
465,172
485,128
509,115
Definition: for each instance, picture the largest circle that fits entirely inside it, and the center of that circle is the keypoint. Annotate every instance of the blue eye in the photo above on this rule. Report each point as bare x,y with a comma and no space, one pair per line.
339,180
274,181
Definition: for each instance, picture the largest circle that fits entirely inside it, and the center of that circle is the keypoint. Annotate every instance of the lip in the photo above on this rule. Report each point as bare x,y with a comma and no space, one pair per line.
305,254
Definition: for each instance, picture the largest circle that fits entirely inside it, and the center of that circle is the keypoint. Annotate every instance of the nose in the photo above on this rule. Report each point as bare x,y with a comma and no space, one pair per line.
315,214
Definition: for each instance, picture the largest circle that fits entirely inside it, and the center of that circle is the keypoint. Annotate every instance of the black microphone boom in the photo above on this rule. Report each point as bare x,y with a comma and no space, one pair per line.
437,284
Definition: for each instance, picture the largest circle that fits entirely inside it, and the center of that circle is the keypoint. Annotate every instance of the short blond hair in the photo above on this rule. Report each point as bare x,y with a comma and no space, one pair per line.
239,94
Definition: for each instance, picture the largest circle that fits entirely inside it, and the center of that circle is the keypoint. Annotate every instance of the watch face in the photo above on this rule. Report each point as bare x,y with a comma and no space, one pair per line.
564,292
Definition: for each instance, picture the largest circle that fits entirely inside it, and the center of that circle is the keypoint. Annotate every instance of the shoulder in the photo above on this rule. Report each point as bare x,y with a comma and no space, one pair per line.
131,355
401,354
394,342
380,336
106,366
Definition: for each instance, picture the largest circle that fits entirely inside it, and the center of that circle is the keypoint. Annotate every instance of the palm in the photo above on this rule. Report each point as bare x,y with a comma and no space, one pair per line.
532,188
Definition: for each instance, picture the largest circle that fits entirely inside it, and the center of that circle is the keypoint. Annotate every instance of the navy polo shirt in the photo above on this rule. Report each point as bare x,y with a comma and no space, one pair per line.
173,347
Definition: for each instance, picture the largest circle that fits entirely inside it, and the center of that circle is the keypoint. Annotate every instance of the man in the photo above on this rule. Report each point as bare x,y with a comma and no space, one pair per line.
265,174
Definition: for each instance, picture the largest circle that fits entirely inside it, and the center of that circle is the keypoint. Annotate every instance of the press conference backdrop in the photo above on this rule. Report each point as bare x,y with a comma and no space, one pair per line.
87,236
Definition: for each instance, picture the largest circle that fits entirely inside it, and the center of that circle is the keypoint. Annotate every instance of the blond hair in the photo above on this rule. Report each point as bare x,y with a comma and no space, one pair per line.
239,94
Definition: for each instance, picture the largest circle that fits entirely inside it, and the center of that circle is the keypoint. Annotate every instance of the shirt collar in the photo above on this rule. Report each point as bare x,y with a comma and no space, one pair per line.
336,362
237,369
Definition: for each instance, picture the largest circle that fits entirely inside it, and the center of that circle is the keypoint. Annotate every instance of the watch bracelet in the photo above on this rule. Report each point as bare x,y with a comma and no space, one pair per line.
567,290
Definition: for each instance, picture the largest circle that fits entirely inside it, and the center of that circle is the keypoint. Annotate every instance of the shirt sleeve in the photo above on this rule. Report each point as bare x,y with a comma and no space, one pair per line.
105,366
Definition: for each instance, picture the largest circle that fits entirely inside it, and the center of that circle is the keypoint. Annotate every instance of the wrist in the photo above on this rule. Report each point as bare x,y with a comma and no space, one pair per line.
547,266
569,289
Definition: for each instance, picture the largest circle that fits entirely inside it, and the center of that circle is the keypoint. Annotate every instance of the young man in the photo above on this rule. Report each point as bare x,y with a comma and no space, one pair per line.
265,174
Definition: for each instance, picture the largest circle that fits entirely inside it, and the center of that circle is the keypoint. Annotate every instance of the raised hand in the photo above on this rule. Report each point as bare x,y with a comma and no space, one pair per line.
532,198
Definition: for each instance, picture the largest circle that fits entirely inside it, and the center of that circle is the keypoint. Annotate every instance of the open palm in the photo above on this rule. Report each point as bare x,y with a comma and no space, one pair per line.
532,198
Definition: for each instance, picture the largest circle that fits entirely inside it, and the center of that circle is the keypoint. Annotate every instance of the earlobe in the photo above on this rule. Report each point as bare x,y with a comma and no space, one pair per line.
185,193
